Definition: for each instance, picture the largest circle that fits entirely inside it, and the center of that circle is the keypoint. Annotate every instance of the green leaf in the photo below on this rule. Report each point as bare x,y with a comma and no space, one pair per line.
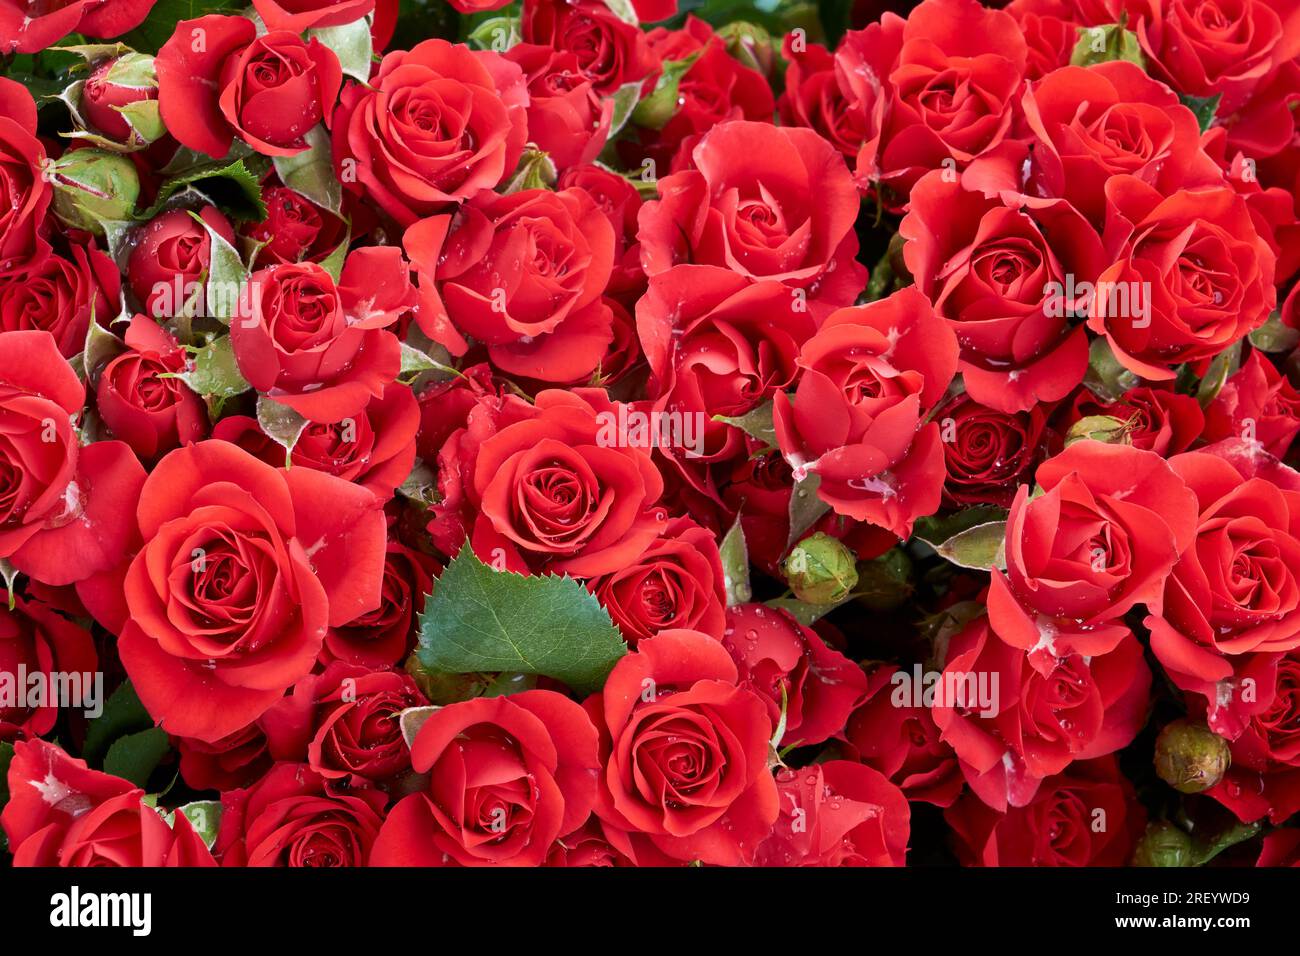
351,43
421,485
1206,846
311,172
1275,336
479,619
101,346
123,714
624,10
1102,44
806,507
980,547
8,574
497,34
536,170
756,423
658,107
735,565
204,817
281,423
806,612
226,275
213,372
1203,108
1221,368
935,530
231,187
134,756
1106,376
625,100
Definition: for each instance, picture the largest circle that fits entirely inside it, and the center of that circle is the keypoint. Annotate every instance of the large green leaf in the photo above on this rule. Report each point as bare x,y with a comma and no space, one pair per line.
134,756
123,714
479,620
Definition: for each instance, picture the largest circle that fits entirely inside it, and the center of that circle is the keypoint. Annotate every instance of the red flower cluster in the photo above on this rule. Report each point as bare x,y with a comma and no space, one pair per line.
600,435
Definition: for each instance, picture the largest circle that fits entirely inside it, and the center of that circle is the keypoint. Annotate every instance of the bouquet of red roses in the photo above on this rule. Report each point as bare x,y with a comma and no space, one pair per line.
567,433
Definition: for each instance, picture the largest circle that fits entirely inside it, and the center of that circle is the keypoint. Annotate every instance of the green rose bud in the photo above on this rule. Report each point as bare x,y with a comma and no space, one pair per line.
1163,844
1105,428
1191,757
820,570
750,44
93,186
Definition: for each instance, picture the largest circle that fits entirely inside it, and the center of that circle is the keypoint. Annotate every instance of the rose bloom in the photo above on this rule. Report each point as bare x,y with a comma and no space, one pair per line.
1280,848
619,200
903,742
31,27
523,273
1196,262
676,583
322,348
870,376
1155,419
815,686
1101,537
21,158
288,818
141,401
508,776
987,451
65,511
62,813
228,763
717,345
766,202
344,723
837,813
1233,596
1044,712
61,295
294,228
1001,276
437,124
1257,403
34,636
1059,827
1079,126
586,846
386,635
567,119
374,448
299,15
683,754
611,53
171,259
243,566
268,90
553,493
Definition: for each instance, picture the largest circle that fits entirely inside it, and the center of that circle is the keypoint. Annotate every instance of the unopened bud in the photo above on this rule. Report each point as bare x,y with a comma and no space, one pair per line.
821,570
1191,757
94,186
1163,844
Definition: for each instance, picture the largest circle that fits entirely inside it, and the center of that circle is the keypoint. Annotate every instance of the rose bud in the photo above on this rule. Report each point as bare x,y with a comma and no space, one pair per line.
750,44
92,186
1163,845
821,570
1106,428
1191,757
172,254
120,99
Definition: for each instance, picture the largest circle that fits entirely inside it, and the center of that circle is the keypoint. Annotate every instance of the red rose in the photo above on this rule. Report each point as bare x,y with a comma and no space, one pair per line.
233,761
1155,419
611,52
294,229
385,636
684,755
387,148
902,741
65,511
957,71
1280,848
586,846
242,569
676,583
837,813
815,686
1233,595
319,347
508,777
22,179
766,202
1195,261
344,723
140,399
289,819
60,295
268,90
871,374
1080,126
101,99
36,638
523,273
31,27
1101,537
1008,279
374,449
566,117
619,200
1256,404
62,813
296,16
556,492
1089,816
171,259
1015,718
987,451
